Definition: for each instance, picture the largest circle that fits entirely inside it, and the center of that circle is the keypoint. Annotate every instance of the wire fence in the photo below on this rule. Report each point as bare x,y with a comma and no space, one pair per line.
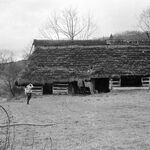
22,136
4,128
38,136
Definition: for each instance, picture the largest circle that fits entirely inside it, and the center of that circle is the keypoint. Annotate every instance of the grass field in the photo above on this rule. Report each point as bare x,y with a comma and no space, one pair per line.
108,121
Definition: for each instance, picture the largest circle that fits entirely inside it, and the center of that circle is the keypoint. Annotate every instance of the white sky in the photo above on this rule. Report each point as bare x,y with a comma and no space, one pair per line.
20,20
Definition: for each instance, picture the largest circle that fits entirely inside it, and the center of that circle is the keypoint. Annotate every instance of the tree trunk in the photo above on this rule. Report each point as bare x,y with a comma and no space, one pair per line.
12,92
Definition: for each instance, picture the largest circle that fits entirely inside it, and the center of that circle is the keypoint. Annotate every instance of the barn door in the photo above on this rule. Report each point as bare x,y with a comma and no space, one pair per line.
102,84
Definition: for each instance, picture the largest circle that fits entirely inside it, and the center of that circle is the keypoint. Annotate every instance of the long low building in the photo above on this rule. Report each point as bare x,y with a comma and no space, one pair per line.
88,66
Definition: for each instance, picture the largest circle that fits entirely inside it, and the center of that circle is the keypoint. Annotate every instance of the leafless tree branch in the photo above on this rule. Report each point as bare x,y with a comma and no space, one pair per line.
68,24
144,22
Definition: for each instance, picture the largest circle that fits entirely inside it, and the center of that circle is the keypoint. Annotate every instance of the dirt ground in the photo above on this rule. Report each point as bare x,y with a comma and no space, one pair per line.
108,121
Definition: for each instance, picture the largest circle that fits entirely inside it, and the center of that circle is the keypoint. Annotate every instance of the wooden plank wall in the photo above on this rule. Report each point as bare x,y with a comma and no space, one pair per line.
60,88
37,90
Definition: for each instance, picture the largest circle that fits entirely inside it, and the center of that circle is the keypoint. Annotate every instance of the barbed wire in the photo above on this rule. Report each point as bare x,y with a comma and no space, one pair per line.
23,135
4,119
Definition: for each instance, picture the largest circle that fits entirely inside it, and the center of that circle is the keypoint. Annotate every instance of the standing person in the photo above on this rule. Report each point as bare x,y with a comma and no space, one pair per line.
28,92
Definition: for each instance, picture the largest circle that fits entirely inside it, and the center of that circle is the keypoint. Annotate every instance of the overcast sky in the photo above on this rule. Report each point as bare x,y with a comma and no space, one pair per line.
20,20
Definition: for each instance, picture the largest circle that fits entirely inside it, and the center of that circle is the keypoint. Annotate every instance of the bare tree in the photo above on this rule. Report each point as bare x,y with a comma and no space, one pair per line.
9,70
90,28
28,50
144,22
68,24
5,57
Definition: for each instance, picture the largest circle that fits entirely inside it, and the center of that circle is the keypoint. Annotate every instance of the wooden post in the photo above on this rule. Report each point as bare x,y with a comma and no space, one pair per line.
110,84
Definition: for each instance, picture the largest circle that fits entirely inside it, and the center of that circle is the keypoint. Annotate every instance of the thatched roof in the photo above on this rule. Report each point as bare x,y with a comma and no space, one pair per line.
50,63
47,43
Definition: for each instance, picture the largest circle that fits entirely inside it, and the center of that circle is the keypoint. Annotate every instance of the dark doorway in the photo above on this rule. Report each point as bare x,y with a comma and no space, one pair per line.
47,89
131,81
102,85
73,87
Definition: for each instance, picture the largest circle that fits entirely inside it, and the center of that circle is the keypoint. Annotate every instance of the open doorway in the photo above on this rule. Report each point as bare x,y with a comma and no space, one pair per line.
47,88
131,81
73,87
102,84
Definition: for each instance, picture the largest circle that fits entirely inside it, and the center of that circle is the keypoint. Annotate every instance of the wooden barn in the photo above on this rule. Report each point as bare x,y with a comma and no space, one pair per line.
87,67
